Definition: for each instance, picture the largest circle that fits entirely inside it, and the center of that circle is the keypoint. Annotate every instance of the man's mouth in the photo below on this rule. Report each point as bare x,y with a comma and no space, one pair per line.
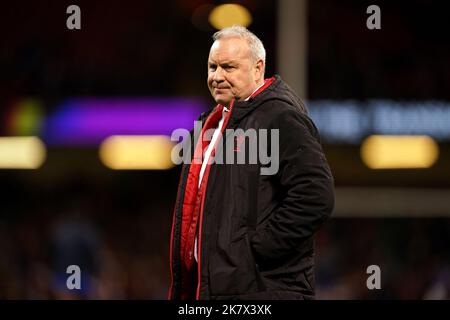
221,90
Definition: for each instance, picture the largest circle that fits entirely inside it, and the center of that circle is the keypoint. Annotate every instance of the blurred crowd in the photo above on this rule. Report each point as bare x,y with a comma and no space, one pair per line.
412,254
119,237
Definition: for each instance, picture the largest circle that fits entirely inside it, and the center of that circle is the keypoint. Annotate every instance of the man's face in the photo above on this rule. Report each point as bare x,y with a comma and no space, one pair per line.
232,72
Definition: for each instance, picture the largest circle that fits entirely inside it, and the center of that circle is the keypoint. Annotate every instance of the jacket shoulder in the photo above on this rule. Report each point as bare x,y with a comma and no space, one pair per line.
280,113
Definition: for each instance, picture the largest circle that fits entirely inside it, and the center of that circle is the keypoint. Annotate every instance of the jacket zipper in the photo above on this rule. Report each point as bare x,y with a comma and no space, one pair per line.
208,168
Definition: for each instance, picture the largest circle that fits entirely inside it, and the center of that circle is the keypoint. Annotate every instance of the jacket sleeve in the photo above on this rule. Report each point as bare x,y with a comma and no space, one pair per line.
306,185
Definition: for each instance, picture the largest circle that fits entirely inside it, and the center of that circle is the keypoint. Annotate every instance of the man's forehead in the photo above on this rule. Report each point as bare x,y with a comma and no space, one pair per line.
230,49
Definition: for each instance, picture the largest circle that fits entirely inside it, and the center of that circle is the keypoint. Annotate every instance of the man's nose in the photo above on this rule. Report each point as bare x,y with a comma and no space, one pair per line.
218,75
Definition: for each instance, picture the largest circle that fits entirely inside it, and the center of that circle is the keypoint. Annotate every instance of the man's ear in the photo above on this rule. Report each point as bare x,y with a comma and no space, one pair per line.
259,70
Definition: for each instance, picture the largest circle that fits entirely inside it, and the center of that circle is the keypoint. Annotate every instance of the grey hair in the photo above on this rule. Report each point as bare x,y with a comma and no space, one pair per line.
256,46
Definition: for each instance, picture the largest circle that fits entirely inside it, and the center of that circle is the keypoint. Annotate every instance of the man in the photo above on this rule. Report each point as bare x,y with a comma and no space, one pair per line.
238,233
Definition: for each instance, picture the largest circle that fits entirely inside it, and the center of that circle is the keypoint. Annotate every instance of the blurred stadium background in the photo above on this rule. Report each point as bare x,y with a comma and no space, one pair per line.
70,100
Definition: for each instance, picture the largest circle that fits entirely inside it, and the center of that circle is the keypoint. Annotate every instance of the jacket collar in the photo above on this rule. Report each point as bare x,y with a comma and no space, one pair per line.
242,108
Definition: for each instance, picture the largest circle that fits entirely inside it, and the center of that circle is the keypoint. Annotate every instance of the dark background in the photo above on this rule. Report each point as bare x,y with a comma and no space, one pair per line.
116,224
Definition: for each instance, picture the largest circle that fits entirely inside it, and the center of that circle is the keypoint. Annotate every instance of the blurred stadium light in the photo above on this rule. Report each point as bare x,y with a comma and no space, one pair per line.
21,153
88,121
137,152
226,15
350,121
25,117
399,152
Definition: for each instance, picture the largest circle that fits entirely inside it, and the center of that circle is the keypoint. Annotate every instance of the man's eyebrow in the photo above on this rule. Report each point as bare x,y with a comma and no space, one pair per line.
228,62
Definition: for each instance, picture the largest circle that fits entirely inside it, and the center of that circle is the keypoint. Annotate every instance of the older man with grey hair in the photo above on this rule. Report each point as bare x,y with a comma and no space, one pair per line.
238,233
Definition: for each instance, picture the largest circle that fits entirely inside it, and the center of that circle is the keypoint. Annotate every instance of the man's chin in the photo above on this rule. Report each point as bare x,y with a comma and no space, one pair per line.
225,101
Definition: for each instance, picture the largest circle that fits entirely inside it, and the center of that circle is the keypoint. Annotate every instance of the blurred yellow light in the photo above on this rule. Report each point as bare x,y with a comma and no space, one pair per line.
26,118
137,152
21,153
226,15
399,152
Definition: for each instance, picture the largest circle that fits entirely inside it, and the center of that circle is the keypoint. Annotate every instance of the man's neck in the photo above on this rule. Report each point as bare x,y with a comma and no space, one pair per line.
259,85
